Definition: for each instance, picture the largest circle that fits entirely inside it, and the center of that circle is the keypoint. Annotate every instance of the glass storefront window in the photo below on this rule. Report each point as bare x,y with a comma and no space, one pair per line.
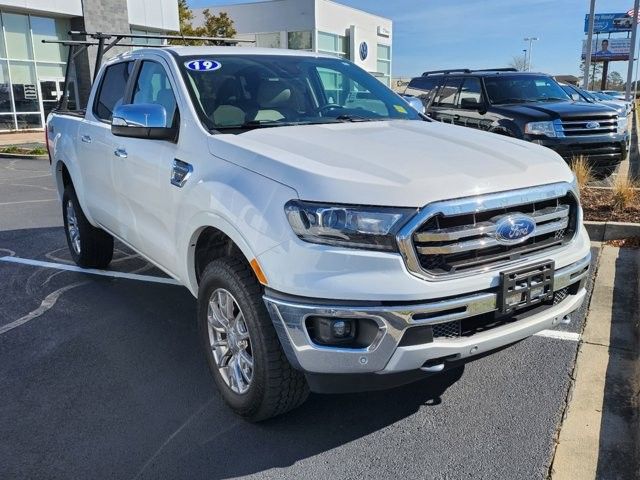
18,36
384,64
300,40
50,70
7,122
49,29
268,40
333,44
5,90
25,89
29,121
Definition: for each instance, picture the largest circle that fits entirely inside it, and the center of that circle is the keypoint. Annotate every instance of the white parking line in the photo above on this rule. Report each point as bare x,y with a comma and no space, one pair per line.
90,271
559,335
555,334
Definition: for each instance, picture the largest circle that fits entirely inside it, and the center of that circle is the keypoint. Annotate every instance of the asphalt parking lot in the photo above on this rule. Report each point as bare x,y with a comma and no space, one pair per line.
102,377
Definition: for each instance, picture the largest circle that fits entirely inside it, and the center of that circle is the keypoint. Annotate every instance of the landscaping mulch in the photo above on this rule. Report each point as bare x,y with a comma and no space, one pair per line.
633,242
597,204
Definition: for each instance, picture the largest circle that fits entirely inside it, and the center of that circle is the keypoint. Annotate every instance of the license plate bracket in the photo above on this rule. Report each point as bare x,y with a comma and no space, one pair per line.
525,286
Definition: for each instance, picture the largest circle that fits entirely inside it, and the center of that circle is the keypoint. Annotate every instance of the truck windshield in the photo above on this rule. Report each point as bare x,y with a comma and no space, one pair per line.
241,92
509,89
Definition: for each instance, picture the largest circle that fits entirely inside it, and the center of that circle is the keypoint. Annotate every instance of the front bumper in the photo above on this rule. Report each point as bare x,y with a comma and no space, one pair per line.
386,353
600,151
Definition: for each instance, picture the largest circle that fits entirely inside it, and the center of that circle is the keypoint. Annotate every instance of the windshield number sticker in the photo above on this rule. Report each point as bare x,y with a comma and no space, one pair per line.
400,109
203,65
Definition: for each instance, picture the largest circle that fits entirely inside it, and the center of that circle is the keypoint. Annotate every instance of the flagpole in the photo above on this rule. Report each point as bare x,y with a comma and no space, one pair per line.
632,53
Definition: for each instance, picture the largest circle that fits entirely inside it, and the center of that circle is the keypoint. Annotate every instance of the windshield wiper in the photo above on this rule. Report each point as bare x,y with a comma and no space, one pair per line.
355,118
512,100
552,99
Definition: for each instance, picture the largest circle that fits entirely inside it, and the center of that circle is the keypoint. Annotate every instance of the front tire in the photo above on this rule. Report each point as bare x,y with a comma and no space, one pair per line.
90,247
241,344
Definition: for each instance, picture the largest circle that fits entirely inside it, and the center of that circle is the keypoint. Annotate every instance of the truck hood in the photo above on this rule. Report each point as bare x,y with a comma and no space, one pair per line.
542,111
393,163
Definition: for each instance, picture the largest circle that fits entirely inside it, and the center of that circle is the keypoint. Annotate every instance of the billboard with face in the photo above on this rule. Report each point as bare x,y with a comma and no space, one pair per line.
608,49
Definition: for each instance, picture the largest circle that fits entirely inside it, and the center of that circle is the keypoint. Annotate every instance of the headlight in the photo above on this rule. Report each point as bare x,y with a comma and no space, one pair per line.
548,129
623,123
349,226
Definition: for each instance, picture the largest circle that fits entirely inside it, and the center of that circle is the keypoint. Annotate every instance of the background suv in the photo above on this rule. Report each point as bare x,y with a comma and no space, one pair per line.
528,106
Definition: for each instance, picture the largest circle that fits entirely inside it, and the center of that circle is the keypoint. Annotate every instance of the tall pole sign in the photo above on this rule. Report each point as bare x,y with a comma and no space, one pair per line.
632,53
587,57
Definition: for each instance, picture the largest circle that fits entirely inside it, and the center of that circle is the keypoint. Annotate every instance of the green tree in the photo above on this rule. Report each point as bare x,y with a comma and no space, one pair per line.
615,81
595,74
214,26
220,26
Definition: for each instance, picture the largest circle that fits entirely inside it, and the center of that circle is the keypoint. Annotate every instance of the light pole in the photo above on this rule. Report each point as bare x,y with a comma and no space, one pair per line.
524,67
530,40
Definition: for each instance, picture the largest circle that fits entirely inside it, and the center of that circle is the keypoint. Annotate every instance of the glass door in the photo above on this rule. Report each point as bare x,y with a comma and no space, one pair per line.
51,92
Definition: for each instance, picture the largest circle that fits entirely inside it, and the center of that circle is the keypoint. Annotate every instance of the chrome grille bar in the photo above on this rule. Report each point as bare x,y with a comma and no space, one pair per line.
488,242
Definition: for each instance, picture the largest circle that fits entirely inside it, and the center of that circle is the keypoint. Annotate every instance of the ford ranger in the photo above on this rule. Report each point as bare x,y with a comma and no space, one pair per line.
335,238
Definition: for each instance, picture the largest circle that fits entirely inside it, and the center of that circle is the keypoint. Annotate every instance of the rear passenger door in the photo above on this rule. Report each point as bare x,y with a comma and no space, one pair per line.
444,107
95,145
472,105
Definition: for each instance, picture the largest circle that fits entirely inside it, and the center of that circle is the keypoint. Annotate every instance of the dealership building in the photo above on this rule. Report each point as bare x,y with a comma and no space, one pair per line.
32,73
317,26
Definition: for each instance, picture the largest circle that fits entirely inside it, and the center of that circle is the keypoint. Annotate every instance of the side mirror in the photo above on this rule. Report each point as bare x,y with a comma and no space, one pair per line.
415,103
144,120
471,104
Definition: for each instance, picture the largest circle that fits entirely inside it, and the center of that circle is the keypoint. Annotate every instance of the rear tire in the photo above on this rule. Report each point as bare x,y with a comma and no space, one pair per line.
90,247
241,344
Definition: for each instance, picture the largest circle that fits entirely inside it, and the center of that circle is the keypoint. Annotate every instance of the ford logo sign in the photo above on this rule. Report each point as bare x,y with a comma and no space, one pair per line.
514,229
593,125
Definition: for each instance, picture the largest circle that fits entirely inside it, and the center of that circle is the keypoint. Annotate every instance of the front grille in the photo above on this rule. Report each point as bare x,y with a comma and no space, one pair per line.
594,151
455,243
599,125
447,330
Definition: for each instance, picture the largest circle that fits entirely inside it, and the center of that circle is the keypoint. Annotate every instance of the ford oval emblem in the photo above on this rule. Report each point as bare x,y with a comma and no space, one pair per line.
593,125
514,229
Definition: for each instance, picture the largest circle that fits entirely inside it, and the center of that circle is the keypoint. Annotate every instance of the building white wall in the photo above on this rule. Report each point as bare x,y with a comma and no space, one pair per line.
361,26
266,17
155,14
52,7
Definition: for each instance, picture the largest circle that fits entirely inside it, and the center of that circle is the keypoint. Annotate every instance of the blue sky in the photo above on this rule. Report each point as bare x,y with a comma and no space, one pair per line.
435,34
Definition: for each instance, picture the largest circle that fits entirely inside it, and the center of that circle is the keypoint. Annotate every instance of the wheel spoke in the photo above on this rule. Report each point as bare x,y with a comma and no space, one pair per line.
229,341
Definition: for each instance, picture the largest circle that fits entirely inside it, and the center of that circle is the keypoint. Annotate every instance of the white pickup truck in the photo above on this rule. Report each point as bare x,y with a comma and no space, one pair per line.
335,238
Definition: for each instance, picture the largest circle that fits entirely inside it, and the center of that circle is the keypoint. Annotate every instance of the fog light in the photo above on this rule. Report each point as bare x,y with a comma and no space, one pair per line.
332,331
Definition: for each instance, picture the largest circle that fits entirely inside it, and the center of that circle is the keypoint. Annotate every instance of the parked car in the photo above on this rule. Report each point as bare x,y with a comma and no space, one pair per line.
622,108
614,94
608,98
527,106
336,240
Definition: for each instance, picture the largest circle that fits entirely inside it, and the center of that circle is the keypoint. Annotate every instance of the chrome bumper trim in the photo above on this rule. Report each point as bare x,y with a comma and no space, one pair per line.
289,320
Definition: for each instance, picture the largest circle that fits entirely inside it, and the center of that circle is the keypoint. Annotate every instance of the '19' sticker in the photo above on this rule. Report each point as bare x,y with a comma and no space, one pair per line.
203,65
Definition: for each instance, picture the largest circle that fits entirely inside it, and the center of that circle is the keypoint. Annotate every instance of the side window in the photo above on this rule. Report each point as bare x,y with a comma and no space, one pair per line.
153,86
112,89
470,93
345,92
448,94
422,87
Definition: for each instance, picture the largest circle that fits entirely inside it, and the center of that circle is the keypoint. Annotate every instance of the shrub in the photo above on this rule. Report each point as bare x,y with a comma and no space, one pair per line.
624,193
582,170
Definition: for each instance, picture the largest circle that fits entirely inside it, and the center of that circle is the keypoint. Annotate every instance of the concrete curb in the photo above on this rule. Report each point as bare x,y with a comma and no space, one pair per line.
24,156
604,231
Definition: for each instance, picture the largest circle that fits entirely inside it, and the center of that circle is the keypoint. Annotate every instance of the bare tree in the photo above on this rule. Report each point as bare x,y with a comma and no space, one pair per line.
519,63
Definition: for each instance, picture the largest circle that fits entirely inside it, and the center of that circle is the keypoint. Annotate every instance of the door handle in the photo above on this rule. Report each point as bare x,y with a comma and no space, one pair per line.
86,138
120,153
180,172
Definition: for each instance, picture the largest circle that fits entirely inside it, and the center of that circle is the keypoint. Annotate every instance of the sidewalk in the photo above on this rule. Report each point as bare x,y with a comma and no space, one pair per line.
600,432
19,138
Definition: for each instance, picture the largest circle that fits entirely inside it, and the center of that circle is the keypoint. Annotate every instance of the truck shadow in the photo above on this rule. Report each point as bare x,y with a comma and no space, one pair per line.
126,355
